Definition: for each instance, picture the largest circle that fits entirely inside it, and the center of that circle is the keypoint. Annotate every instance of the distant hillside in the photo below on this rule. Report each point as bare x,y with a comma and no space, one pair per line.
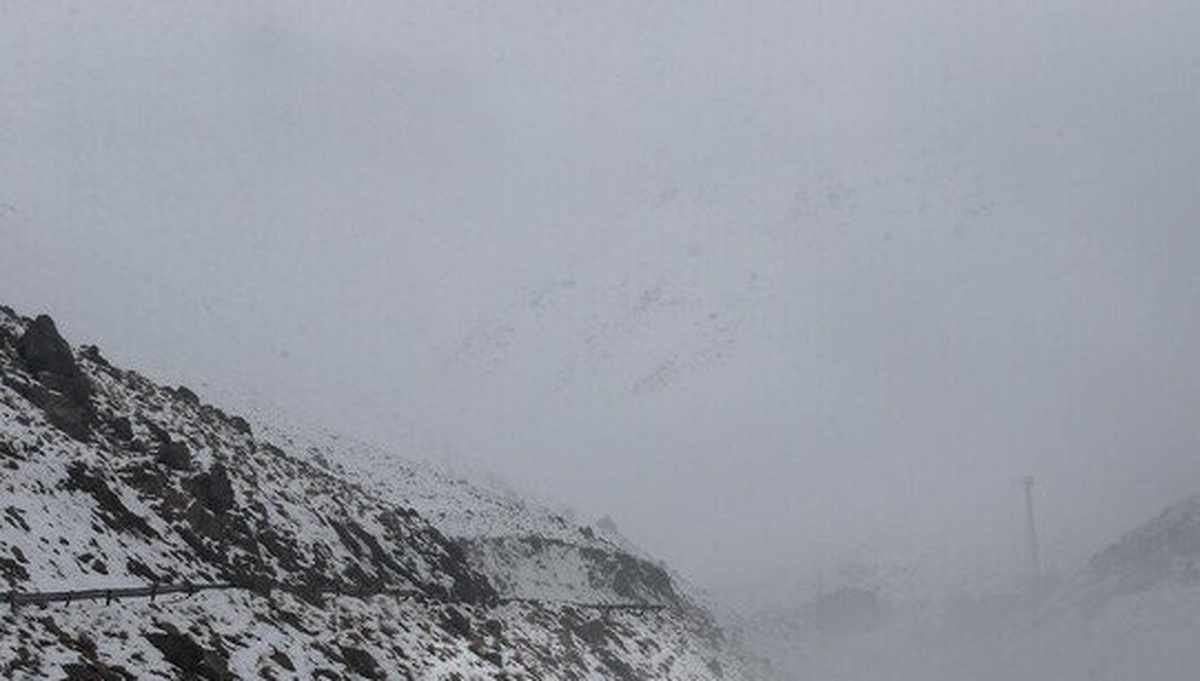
1162,552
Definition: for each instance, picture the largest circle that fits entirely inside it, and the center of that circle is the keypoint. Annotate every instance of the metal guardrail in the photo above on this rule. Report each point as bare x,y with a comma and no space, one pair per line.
15,599
18,598
632,607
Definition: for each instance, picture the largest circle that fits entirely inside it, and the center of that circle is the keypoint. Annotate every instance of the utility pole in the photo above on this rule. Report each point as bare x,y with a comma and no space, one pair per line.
1035,561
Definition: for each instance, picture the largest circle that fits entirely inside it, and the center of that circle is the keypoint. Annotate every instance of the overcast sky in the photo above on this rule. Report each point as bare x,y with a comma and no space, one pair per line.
773,284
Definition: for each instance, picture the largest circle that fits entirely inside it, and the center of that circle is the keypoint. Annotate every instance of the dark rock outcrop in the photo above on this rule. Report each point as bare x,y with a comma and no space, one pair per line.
240,425
122,428
175,455
187,395
92,354
64,393
216,492
192,659
44,350
362,663
110,508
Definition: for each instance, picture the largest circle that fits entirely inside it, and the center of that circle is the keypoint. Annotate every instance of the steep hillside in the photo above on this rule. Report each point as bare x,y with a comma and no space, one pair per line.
526,550
110,481
1161,553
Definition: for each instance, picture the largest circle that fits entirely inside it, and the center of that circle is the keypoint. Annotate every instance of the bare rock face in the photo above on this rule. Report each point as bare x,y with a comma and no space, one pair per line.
174,455
48,356
362,663
190,658
216,492
63,393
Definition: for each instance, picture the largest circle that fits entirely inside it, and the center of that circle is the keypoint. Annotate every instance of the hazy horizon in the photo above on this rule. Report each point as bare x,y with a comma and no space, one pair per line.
773,285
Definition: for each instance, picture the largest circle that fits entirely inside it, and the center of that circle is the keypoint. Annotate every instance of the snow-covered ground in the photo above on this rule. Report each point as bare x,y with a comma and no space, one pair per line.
1132,612
1150,635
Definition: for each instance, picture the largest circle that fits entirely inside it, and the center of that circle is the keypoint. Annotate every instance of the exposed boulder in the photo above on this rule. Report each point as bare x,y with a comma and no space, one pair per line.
160,436
187,395
192,659
69,415
87,670
456,623
92,354
48,356
216,492
240,425
65,394
174,455
122,428
362,663
111,509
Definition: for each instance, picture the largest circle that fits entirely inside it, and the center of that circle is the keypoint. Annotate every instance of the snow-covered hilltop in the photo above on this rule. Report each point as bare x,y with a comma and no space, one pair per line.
346,562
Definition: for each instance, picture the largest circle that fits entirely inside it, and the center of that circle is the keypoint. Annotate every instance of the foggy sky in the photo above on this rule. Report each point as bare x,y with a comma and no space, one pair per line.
772,283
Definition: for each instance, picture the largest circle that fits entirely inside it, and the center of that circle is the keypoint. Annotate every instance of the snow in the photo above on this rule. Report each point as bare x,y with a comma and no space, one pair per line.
309,507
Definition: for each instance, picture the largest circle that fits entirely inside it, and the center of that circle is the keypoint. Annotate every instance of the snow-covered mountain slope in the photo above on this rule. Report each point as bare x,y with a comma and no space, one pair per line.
525,549
111,481
1161,553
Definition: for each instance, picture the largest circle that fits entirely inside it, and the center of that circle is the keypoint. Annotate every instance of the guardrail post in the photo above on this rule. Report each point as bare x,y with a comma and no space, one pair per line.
153,590
108,597
12,601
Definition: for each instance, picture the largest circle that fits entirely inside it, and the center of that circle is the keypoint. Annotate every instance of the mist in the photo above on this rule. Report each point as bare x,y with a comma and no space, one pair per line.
775,286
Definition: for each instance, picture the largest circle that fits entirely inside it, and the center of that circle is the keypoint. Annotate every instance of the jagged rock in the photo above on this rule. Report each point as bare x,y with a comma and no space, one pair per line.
12,572
111,509
240,425
65,393
190,657
87,670
160,435
185,393
216,492
122,428
593,632
362,663
174,455
637,579
62,410
456,623
48,356
280,658
92,353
